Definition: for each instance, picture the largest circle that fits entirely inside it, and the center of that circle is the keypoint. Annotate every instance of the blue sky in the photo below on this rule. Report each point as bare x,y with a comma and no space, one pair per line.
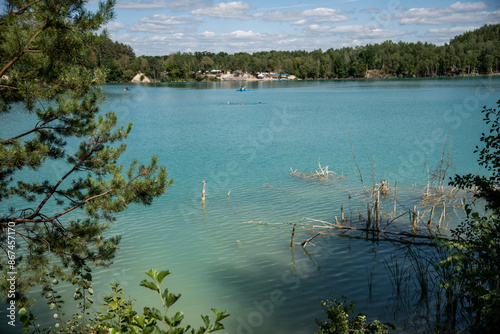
161,27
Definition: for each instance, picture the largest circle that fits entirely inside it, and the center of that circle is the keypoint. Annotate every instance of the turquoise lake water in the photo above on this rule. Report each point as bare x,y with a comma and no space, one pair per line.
210,132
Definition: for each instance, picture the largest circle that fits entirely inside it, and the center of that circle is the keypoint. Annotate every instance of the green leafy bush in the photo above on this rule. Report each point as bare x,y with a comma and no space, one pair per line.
475,255
475,248
117,314
338,319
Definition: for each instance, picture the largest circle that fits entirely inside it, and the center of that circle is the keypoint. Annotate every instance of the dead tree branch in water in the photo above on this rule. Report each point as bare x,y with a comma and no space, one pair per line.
311,223
323,174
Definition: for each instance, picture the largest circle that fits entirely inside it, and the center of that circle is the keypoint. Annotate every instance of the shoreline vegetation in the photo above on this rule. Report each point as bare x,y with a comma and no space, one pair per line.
474,53
372,74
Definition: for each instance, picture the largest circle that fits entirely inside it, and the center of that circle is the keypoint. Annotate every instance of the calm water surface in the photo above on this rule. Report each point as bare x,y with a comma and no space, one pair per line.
201,131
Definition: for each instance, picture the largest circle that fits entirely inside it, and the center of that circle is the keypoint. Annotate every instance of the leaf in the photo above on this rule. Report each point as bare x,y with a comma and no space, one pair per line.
177,318
153,330
149,285
171,298
206,320
153,273
113,305
77,295
162,275
22,311
153,312
220,316
140,320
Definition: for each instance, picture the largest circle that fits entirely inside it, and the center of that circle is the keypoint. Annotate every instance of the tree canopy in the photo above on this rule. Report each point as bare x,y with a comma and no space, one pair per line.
46,79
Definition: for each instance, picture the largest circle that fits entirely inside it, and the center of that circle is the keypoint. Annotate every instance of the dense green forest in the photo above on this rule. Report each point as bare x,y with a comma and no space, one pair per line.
472,53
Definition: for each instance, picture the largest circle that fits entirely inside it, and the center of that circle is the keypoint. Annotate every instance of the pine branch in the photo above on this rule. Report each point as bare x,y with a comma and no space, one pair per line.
53,218
24,50
9,87
32,219
21,10
73,169
38,127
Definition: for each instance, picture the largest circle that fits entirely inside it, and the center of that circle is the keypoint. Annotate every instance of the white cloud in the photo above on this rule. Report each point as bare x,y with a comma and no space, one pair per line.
371,10
162,19
468,6
302,17
237,35
187,5
275,16
165,24
353,31
456,13
446,33
321,12
141,4
226,10
454,18
231,42
115,26
300,22
160,29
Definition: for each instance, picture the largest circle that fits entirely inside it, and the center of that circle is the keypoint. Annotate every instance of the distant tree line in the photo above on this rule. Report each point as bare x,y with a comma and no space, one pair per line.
474,52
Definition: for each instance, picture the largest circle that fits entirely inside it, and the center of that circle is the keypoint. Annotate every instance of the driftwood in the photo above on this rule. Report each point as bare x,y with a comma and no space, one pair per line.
323,174
329,226
305,242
